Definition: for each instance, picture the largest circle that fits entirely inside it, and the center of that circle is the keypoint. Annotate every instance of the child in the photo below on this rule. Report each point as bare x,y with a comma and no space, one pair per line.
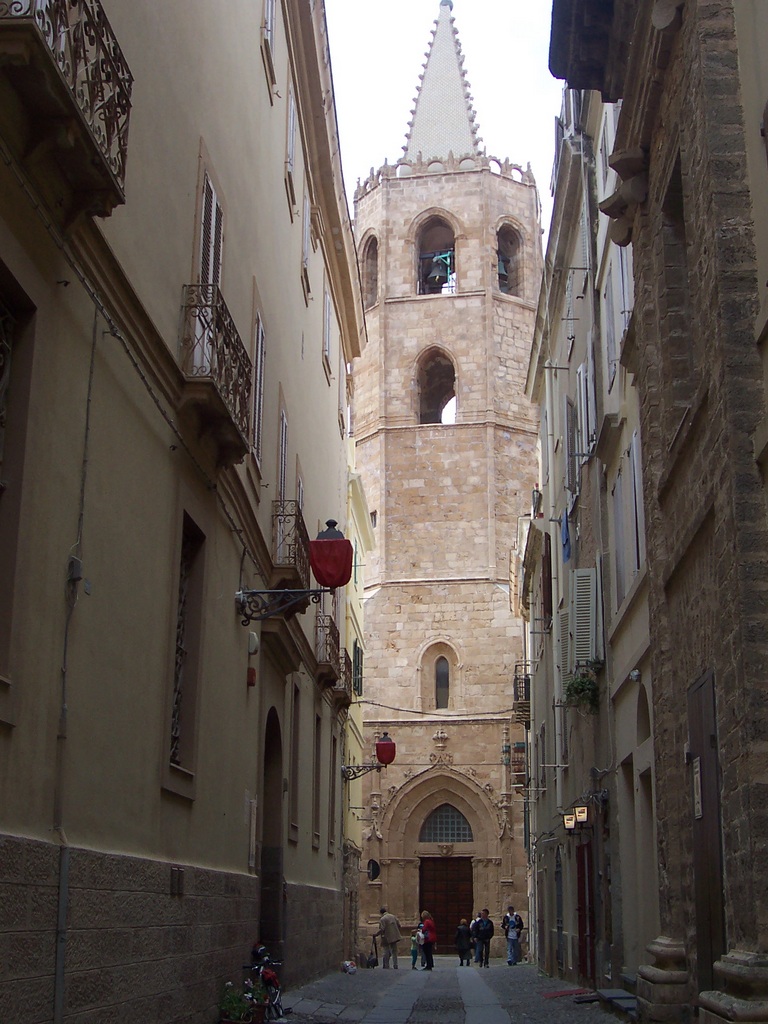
414,950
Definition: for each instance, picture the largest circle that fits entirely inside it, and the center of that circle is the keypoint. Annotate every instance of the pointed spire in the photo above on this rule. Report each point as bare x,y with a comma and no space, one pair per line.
443,118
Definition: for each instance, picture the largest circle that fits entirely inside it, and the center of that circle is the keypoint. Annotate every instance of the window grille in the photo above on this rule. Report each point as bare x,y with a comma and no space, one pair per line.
446,824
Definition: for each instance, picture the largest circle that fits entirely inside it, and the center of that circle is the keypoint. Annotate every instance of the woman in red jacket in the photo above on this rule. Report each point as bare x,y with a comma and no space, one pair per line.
430,938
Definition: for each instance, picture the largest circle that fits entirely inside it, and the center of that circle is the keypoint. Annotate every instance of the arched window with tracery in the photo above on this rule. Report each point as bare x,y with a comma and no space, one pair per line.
370,272
437,387
509,260
437,258
446,824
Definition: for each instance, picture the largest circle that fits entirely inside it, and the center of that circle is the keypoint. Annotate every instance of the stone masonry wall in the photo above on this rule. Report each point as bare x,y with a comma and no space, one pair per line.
134,951
707,542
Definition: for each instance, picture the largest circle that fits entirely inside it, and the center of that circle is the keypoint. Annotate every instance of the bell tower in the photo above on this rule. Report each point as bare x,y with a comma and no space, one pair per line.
449,245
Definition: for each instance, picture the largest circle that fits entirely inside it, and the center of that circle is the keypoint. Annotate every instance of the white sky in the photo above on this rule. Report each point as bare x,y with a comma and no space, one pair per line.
377,52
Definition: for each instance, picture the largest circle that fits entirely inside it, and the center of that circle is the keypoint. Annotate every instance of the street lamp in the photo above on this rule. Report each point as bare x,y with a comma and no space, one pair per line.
385,754
330,557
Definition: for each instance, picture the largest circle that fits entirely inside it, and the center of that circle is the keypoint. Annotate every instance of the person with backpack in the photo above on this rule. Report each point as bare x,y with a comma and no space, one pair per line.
484,934
513,926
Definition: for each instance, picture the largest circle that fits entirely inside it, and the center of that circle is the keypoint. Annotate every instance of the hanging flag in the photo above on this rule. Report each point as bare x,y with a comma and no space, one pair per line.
565,533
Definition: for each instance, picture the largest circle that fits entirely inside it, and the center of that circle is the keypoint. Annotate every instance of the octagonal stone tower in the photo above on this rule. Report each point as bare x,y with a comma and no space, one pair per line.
449,244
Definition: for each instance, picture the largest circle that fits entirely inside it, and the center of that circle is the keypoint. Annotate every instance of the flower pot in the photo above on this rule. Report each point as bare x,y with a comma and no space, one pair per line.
257,1016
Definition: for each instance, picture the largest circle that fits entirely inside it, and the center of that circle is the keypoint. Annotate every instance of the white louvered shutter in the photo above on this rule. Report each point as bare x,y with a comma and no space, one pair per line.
583,614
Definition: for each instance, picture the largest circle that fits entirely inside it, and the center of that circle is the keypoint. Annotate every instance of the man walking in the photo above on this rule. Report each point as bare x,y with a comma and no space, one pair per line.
484,933
389,930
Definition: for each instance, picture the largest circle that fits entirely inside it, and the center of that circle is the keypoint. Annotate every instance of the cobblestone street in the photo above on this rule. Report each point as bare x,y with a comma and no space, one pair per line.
448,995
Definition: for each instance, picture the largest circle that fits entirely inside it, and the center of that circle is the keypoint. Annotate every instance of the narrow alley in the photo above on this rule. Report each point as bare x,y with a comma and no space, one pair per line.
448,995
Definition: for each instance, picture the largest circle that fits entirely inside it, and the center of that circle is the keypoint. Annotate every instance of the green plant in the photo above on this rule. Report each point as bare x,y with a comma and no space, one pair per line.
235,1004
582,689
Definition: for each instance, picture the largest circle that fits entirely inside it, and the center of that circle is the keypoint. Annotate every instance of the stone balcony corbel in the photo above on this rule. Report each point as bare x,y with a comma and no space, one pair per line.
631,166
667,15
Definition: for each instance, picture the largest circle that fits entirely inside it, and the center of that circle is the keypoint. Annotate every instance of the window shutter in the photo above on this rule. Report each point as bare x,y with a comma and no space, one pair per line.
610,328
637,499
546,580
565,645
269,22
571,447
258,390
291,142
210,236
282,468
591,400
326,325
618,538
583,614
357,668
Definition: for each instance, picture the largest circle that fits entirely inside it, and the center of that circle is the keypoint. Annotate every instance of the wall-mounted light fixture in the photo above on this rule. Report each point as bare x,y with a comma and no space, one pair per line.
330,557
385,754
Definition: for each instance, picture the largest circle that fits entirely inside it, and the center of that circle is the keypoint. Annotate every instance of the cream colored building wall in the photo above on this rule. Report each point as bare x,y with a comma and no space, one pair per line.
604,760
201,100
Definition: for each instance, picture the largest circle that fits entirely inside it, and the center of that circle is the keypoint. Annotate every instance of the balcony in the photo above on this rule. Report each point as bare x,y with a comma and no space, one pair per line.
218,371
327,650
65,101
290,548
341,692
521,693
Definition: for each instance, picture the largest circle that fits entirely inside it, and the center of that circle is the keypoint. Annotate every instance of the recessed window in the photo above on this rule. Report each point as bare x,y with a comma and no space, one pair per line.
508,250
370,272
442,682
189,621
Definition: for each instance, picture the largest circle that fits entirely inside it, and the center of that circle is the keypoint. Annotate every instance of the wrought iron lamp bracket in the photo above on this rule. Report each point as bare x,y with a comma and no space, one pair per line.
356,771
257,605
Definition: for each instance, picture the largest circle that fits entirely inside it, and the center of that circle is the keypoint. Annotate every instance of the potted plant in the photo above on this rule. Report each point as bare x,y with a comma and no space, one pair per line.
581,691
238,1006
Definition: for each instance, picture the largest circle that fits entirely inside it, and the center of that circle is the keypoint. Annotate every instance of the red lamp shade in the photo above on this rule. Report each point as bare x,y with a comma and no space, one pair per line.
385,750
331,557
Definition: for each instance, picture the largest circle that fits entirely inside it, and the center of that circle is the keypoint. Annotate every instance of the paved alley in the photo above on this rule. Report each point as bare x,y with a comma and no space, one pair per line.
448,995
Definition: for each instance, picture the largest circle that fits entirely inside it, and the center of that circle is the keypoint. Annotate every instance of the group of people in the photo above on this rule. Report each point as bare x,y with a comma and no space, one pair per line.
475,937
422,941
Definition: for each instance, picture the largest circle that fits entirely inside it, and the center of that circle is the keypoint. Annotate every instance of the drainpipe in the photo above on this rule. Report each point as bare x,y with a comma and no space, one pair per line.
556,588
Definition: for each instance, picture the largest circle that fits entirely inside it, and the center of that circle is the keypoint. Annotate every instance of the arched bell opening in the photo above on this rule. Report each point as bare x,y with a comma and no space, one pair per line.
436,387
437,258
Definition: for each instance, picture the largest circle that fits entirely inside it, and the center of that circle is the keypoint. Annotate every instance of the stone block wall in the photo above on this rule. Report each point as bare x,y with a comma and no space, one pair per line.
314,943
704,502
134,951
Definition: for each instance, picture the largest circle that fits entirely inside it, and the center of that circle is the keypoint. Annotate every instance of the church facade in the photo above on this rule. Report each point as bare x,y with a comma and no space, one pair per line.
449,248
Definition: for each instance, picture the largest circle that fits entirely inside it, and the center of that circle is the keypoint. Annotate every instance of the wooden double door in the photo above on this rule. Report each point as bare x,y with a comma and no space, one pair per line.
445,890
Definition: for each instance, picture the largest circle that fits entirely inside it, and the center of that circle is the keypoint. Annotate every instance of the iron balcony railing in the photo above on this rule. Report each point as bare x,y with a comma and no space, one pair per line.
212,351
89,60
342,688
521,692
290,541
327,648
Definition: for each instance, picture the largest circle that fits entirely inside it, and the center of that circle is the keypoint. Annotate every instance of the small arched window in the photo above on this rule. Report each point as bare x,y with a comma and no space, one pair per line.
446,824
508,255
442,682
370,273
437,258
437,386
